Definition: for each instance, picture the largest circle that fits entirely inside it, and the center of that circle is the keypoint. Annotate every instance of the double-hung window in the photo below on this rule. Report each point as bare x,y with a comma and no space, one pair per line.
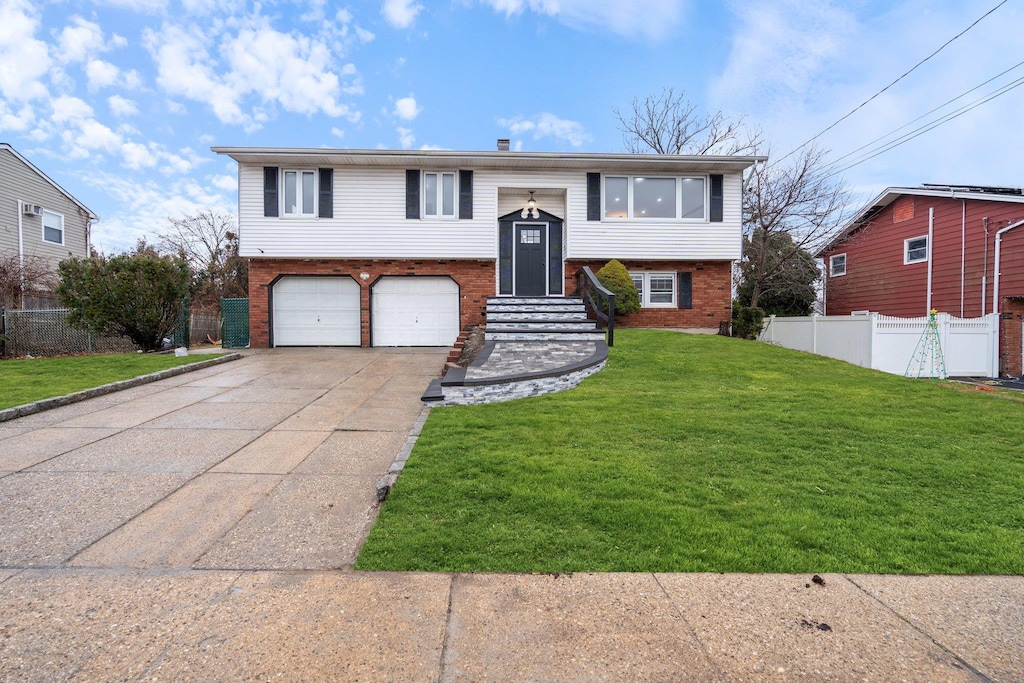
299,193
656,289
53,227
653,197
837,264
439,195
915,249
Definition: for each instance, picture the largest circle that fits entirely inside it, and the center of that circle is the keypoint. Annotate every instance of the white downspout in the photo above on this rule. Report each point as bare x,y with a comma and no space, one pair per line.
963,254
21,254
931,226
995,266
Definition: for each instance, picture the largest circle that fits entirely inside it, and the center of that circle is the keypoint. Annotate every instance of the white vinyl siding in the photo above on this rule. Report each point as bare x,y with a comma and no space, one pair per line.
658,239
19,184
369,221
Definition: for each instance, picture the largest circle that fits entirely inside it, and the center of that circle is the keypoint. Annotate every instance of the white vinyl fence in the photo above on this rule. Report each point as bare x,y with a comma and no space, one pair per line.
970,346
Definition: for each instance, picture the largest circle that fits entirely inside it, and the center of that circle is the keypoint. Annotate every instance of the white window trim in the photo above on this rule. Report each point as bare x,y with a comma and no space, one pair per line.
831,265
679,198
645,296
298,190
906,250
440,196
42,227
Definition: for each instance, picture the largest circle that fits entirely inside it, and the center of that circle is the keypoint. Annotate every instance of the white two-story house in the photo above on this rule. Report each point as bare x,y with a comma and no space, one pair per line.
403,248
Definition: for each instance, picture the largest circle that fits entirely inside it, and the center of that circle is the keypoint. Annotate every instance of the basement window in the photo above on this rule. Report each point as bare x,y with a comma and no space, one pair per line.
915,250
657,290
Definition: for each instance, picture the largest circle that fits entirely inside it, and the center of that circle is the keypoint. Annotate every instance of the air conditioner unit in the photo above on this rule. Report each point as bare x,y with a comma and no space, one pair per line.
31,209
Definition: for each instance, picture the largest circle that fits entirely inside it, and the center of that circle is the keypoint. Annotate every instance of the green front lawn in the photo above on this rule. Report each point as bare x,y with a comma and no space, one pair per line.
28,380
702,453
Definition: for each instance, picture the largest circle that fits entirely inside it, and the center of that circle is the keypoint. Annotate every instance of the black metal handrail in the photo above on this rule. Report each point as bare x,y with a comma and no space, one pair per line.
587,285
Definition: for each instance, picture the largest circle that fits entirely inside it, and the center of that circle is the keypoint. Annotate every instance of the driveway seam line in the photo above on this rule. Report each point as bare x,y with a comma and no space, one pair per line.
447,623
693,632
970,667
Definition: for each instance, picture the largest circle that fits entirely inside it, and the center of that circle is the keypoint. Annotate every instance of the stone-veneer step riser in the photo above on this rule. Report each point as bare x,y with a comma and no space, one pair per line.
538,302
564,308
540,325
509,391
504,335
563,316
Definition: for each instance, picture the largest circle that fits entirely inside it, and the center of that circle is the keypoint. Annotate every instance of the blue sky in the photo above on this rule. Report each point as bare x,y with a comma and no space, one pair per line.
120,100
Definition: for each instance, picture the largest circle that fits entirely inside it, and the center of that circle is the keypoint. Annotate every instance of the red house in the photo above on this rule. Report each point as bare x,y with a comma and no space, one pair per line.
957,249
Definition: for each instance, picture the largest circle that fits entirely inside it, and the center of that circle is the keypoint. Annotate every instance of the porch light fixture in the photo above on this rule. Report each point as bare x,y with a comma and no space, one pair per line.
530,210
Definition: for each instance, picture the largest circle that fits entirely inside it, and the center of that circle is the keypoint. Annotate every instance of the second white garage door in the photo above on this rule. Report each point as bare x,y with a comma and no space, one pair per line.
415,311
316,311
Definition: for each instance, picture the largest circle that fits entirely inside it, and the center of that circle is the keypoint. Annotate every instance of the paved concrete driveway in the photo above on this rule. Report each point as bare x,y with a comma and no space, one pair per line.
269,462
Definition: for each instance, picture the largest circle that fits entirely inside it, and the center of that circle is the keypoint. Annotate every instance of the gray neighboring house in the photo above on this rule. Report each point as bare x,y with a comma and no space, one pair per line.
38,217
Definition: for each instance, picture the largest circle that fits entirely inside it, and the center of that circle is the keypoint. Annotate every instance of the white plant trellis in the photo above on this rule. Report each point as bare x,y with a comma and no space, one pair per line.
927,360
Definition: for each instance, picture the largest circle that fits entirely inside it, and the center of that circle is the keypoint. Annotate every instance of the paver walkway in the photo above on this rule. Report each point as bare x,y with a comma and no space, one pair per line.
203,528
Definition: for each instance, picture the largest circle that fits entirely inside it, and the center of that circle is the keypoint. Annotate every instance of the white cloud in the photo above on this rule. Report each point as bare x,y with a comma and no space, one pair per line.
228,183
401,13
68,109
407,109
143,206
24,59
101,74
405,137
337,132
80,41
548,125
16,120
290,70
137,156
651,19
121,107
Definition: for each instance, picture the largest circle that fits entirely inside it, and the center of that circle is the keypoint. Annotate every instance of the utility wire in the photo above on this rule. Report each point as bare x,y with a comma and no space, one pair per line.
927,113
930,126
911,70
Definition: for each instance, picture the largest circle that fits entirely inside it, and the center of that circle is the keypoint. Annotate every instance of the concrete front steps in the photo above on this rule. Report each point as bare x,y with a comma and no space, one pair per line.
532,346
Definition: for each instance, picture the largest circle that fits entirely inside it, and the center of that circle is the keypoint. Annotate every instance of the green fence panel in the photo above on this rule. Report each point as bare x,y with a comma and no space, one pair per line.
235,316
182,335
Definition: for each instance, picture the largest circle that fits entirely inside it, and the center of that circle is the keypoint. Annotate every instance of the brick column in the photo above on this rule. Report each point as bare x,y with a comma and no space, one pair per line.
1010,343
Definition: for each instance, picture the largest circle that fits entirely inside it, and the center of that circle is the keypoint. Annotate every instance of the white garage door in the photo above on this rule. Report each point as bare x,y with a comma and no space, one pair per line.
415,311
316,311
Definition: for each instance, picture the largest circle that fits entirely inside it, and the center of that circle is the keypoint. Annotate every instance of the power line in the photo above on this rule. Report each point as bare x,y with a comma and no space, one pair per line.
927,113
930,126
911,70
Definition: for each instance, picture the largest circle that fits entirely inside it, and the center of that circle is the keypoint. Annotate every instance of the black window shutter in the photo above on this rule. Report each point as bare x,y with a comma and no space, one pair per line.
716,198
326,193
555,257
412,194
685,281
593,196
465,194
270,202
505,257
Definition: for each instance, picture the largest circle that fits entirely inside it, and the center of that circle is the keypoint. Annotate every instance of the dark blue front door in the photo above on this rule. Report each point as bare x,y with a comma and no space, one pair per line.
531,246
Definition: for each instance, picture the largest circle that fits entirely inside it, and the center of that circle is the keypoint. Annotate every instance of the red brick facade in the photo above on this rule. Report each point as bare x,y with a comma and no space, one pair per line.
1011,319
475,279
712,289
712,293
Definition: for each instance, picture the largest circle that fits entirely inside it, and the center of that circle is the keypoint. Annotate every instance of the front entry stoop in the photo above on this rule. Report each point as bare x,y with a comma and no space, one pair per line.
533,346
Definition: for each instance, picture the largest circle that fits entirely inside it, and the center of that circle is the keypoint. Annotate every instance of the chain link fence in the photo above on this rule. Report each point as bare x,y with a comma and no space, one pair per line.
235,315
46,332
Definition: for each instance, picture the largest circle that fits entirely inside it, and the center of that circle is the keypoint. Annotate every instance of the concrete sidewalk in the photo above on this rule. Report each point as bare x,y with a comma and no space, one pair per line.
204,528
59,624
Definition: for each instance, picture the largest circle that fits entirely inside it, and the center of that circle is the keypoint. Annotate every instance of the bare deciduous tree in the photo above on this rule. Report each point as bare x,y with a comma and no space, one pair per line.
208,242
670,124
796,200
21,277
